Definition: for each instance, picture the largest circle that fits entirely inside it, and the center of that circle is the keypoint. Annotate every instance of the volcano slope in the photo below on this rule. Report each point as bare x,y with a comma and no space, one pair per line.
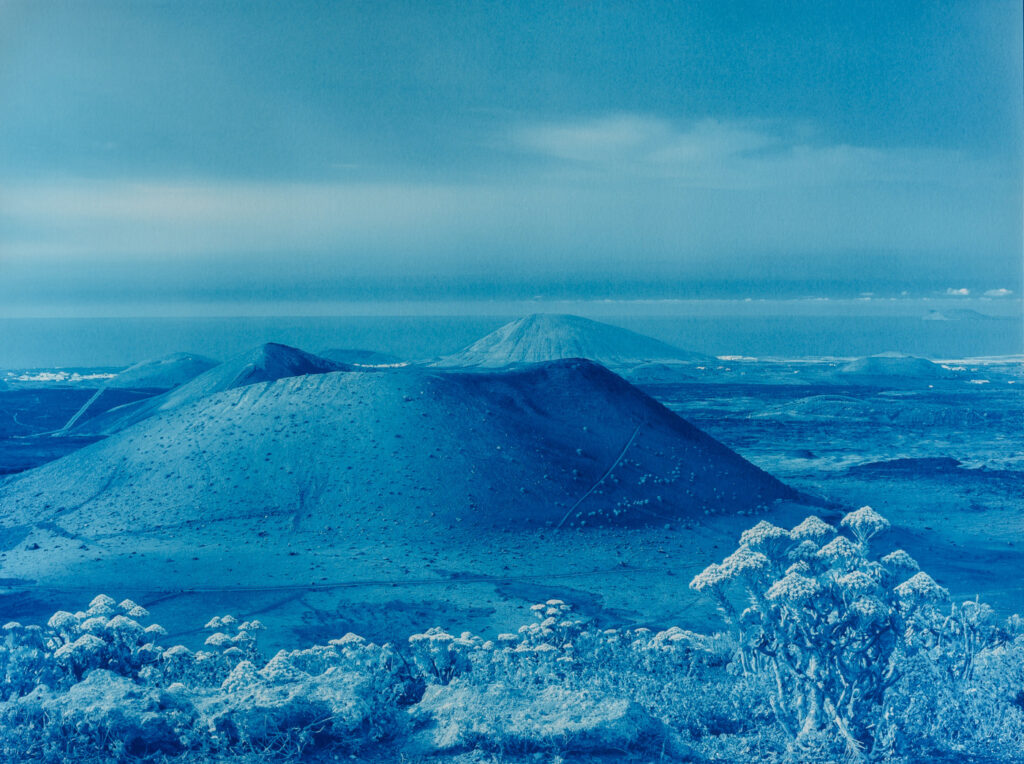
549,337
405,476
155,375
165,372
268,362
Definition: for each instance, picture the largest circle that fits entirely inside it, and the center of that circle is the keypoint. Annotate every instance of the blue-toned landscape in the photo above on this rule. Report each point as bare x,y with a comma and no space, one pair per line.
380,527
450,383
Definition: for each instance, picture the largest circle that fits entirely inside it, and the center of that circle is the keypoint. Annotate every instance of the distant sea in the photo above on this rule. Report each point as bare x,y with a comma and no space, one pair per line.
78,342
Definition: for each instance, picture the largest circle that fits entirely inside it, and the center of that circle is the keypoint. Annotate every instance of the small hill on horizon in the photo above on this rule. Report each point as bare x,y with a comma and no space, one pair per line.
551,337
818,407
657,372
372,359
265,363
164,373
895,365
957,314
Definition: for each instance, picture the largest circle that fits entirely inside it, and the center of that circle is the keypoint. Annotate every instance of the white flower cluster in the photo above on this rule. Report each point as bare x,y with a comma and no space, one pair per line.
814,529
843,657
793,588
764,537
865,523
921,588
822,617
899,560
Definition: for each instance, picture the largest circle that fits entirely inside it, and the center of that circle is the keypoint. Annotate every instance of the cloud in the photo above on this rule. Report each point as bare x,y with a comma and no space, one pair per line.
620,200
734,154
1002,292
633,140
961,292
160,217
538,221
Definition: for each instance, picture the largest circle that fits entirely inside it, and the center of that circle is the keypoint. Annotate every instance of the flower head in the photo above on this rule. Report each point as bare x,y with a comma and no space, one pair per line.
814,529
805,550
920,588
102,600
865,523
102,605
711,577
745,561
801,567
839,551
869,610
900,560
763,537
124,627
62,620
858,582
349,640
218,639
85,645
794,588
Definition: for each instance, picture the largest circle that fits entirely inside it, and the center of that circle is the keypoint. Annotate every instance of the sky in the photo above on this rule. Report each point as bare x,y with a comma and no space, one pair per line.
208,153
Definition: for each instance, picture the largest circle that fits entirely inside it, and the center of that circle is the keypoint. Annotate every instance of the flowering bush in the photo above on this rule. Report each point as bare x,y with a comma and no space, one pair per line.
838,635
97,685
832,653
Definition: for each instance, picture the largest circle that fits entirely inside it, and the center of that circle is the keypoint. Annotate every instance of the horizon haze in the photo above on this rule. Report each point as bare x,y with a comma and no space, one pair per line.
195,155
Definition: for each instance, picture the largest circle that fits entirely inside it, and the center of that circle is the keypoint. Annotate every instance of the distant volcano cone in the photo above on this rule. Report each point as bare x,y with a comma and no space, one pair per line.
549,337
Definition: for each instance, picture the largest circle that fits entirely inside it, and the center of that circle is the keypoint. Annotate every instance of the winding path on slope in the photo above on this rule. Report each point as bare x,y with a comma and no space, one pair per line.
603,477
81,412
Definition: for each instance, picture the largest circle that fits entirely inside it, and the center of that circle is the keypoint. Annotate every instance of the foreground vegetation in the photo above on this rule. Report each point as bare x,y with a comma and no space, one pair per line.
828,654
